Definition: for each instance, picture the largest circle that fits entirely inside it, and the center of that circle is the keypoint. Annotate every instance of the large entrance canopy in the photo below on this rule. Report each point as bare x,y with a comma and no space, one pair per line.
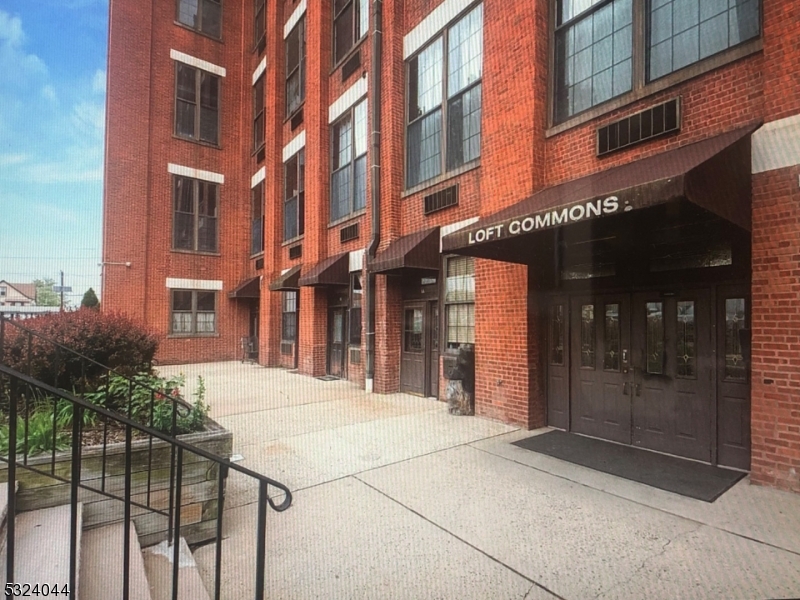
713,174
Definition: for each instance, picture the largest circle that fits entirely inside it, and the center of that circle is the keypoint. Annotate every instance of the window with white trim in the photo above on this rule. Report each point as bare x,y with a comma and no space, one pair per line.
257,219
193,312
259,21
295,48
294,202
349,163
196,104
194,223
350,25
444,101
289,317
459,301
258,114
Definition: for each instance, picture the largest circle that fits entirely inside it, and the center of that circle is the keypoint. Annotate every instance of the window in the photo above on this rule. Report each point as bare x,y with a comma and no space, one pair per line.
257,219
258,114
194,225
260,21
202,15
296,67
193,312
349,167
444,101
655,337
596,54
460,301
289,320
294,174
350,24
3,290
196,104
356,294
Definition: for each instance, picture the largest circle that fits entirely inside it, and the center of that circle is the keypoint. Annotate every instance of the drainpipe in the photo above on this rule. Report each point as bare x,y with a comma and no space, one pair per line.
375,167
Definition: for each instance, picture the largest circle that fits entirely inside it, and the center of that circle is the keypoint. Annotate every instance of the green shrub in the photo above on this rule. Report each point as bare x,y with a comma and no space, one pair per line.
40,435
110,339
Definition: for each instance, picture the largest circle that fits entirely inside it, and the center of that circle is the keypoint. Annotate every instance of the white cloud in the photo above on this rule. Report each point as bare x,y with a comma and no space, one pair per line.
49,94
9,159
11,30
99,82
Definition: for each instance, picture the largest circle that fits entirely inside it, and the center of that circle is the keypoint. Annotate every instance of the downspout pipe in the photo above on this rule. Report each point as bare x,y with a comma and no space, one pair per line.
375,171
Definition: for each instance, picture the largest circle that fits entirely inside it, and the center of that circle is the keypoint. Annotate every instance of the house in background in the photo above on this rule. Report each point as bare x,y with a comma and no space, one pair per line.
17,294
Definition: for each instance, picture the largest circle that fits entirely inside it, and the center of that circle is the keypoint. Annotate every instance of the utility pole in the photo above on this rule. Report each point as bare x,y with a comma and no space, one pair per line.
62,291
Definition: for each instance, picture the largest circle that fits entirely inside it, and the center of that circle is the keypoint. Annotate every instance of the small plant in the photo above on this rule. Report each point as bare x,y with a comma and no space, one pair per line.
39,438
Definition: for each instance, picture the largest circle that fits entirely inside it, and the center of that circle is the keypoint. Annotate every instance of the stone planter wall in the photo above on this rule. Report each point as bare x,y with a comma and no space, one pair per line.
198,496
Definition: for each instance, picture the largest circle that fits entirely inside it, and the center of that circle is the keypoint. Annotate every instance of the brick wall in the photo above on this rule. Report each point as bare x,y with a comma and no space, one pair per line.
775,394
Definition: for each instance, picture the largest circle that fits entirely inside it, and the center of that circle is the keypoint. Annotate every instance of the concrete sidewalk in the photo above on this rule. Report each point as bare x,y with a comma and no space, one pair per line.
394,498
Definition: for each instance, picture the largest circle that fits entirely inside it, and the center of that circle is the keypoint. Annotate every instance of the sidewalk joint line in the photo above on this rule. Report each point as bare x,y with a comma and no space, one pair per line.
463,541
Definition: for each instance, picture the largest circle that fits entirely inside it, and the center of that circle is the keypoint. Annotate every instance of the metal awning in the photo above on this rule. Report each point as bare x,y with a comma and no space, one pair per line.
287,281
713,174
249,288
419,250
334,270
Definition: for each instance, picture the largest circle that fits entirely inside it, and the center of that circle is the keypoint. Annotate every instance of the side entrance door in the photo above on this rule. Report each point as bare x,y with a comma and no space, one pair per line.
433,348
336,346
412,354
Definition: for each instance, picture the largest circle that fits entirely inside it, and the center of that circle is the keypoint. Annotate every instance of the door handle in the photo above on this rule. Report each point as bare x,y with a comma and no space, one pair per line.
625,355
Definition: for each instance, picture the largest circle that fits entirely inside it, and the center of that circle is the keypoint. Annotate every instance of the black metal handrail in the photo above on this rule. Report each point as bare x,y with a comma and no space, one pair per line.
20,390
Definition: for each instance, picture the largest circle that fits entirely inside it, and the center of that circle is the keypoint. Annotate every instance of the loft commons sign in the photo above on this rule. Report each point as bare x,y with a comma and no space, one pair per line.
550,218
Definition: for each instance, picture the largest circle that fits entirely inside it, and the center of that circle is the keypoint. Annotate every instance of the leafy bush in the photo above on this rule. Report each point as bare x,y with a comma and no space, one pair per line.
40,435
110,339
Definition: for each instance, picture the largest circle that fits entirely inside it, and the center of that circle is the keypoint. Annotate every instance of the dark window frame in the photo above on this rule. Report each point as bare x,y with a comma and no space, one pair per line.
259,113
295,195
257,219
197,126
200,15
349,115
467,301
289,306
194,311
195,214
355,6
443,107
259,22
641,86
299,70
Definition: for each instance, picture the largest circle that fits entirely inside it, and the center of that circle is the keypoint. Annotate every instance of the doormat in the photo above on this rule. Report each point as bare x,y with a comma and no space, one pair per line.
328,378
677,475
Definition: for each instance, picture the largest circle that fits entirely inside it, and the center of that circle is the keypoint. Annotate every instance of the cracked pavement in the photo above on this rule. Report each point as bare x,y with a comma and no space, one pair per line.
394,498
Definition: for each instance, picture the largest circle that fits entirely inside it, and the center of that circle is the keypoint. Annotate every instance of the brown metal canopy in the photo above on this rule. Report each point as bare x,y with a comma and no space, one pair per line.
713,174
418,250
334,270
287,281
249,288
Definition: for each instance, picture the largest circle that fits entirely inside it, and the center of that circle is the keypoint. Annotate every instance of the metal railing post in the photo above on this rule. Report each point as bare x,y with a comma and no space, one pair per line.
12,480
261,541
75,480
126,551
176,535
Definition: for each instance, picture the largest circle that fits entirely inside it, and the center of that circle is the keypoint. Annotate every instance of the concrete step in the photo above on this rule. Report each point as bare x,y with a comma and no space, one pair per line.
158,563
102,565
42,546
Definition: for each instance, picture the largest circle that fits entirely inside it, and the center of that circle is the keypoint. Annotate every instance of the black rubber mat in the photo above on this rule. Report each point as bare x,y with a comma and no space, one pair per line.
684,477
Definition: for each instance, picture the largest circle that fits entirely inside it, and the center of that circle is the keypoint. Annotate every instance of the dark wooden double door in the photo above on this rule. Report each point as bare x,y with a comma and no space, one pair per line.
337,341
419,356
663,371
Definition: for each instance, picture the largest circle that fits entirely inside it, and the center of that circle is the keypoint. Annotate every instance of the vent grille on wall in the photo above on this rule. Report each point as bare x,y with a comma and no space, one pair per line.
441,199
296,251
297,119
348,233
643,126
355,356
351,66
259,263
286,348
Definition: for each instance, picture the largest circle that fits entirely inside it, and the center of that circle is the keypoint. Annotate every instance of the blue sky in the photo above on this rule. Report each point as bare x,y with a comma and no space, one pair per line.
52,111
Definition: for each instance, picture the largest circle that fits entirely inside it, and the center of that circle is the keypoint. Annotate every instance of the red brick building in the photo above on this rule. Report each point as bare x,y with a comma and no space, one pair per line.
603,196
